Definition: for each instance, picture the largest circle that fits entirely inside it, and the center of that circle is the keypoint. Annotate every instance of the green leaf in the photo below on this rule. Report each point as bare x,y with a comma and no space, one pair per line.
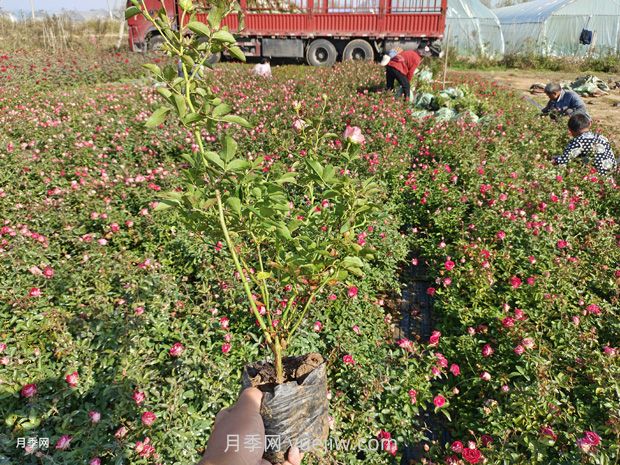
191,118
164,92
238,165
153,68
349,262
215,158
166,204
221,110
180,104
224,36
230,148
235,204
131,12
186,5
215,17
262,275
316,166
286,177
199,28
236,120
236,53
157,117
284,232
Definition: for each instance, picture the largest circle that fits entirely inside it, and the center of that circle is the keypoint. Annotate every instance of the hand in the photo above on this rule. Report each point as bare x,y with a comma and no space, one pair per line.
241,420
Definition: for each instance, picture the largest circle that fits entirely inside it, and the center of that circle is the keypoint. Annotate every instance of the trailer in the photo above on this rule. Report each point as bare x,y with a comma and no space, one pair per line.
319,31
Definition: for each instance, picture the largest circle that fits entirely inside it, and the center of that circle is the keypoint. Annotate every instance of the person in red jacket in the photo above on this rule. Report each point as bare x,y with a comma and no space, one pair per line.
401,68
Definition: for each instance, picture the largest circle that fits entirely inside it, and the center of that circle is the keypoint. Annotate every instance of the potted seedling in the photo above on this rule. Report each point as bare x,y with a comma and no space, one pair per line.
290,229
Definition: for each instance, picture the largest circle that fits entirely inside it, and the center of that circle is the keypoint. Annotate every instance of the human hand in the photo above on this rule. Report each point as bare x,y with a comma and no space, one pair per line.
242,420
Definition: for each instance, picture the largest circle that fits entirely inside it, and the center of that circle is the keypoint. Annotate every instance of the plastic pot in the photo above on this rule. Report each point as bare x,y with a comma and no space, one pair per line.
295,413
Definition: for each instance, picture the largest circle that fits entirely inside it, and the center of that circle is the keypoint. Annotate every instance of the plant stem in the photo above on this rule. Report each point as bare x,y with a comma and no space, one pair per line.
277,358
246,286
305,310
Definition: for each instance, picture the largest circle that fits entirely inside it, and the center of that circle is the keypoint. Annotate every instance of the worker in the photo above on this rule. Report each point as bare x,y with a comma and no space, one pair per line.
589,147
263,68
401,65
562,102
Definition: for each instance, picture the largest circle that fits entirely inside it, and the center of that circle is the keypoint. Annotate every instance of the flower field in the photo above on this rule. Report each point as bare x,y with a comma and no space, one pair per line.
123,331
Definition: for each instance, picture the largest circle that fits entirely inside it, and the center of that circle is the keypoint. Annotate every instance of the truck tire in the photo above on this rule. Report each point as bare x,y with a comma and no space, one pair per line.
358,50
321,52
155,43
214,58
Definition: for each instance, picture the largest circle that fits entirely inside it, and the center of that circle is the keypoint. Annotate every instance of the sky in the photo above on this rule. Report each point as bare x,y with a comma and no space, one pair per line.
55,5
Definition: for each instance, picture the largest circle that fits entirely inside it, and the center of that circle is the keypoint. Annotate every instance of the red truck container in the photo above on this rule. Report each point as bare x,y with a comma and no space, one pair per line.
319,31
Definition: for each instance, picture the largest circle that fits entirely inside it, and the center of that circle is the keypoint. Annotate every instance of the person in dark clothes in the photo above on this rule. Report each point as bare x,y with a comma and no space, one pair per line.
587,146
563,102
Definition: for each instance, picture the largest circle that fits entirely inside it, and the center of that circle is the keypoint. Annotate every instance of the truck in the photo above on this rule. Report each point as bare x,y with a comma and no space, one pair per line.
320,32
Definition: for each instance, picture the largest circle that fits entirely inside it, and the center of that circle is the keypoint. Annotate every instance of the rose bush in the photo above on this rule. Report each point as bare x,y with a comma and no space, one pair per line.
119,342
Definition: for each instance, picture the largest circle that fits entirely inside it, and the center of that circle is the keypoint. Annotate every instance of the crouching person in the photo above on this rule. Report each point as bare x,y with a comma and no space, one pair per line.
589,147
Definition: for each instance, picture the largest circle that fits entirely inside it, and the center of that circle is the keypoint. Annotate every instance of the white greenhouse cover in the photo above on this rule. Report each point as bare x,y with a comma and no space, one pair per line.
473,29
553,27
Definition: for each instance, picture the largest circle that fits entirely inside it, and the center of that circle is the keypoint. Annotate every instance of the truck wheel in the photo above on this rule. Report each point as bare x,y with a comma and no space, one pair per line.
214,58
156,43
321,52
358,50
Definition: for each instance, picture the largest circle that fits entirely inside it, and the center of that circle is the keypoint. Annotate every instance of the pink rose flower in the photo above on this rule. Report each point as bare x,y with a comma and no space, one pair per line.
519,350
449,265
148,418
317,326
439,401
34,292
485,376
352,292
95,416
528,343
457,446
548,432
413,395
515,282
176,350
487,350
144,448
472,455
63,443
121,432
29,390
72,379
226,347
95,461
138,397
354,135
434,339
348,359
455,369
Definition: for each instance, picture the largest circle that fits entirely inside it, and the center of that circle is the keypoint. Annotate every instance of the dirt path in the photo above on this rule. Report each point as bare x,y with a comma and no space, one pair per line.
601,108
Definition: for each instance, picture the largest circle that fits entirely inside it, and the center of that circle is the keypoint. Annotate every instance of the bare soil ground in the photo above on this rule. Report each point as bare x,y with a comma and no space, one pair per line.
602,108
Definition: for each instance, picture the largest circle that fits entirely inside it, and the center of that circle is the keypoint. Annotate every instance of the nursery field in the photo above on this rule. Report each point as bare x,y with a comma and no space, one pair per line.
124,329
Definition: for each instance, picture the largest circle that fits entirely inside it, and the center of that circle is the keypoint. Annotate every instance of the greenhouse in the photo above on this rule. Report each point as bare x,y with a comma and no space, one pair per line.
473,29
557,27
